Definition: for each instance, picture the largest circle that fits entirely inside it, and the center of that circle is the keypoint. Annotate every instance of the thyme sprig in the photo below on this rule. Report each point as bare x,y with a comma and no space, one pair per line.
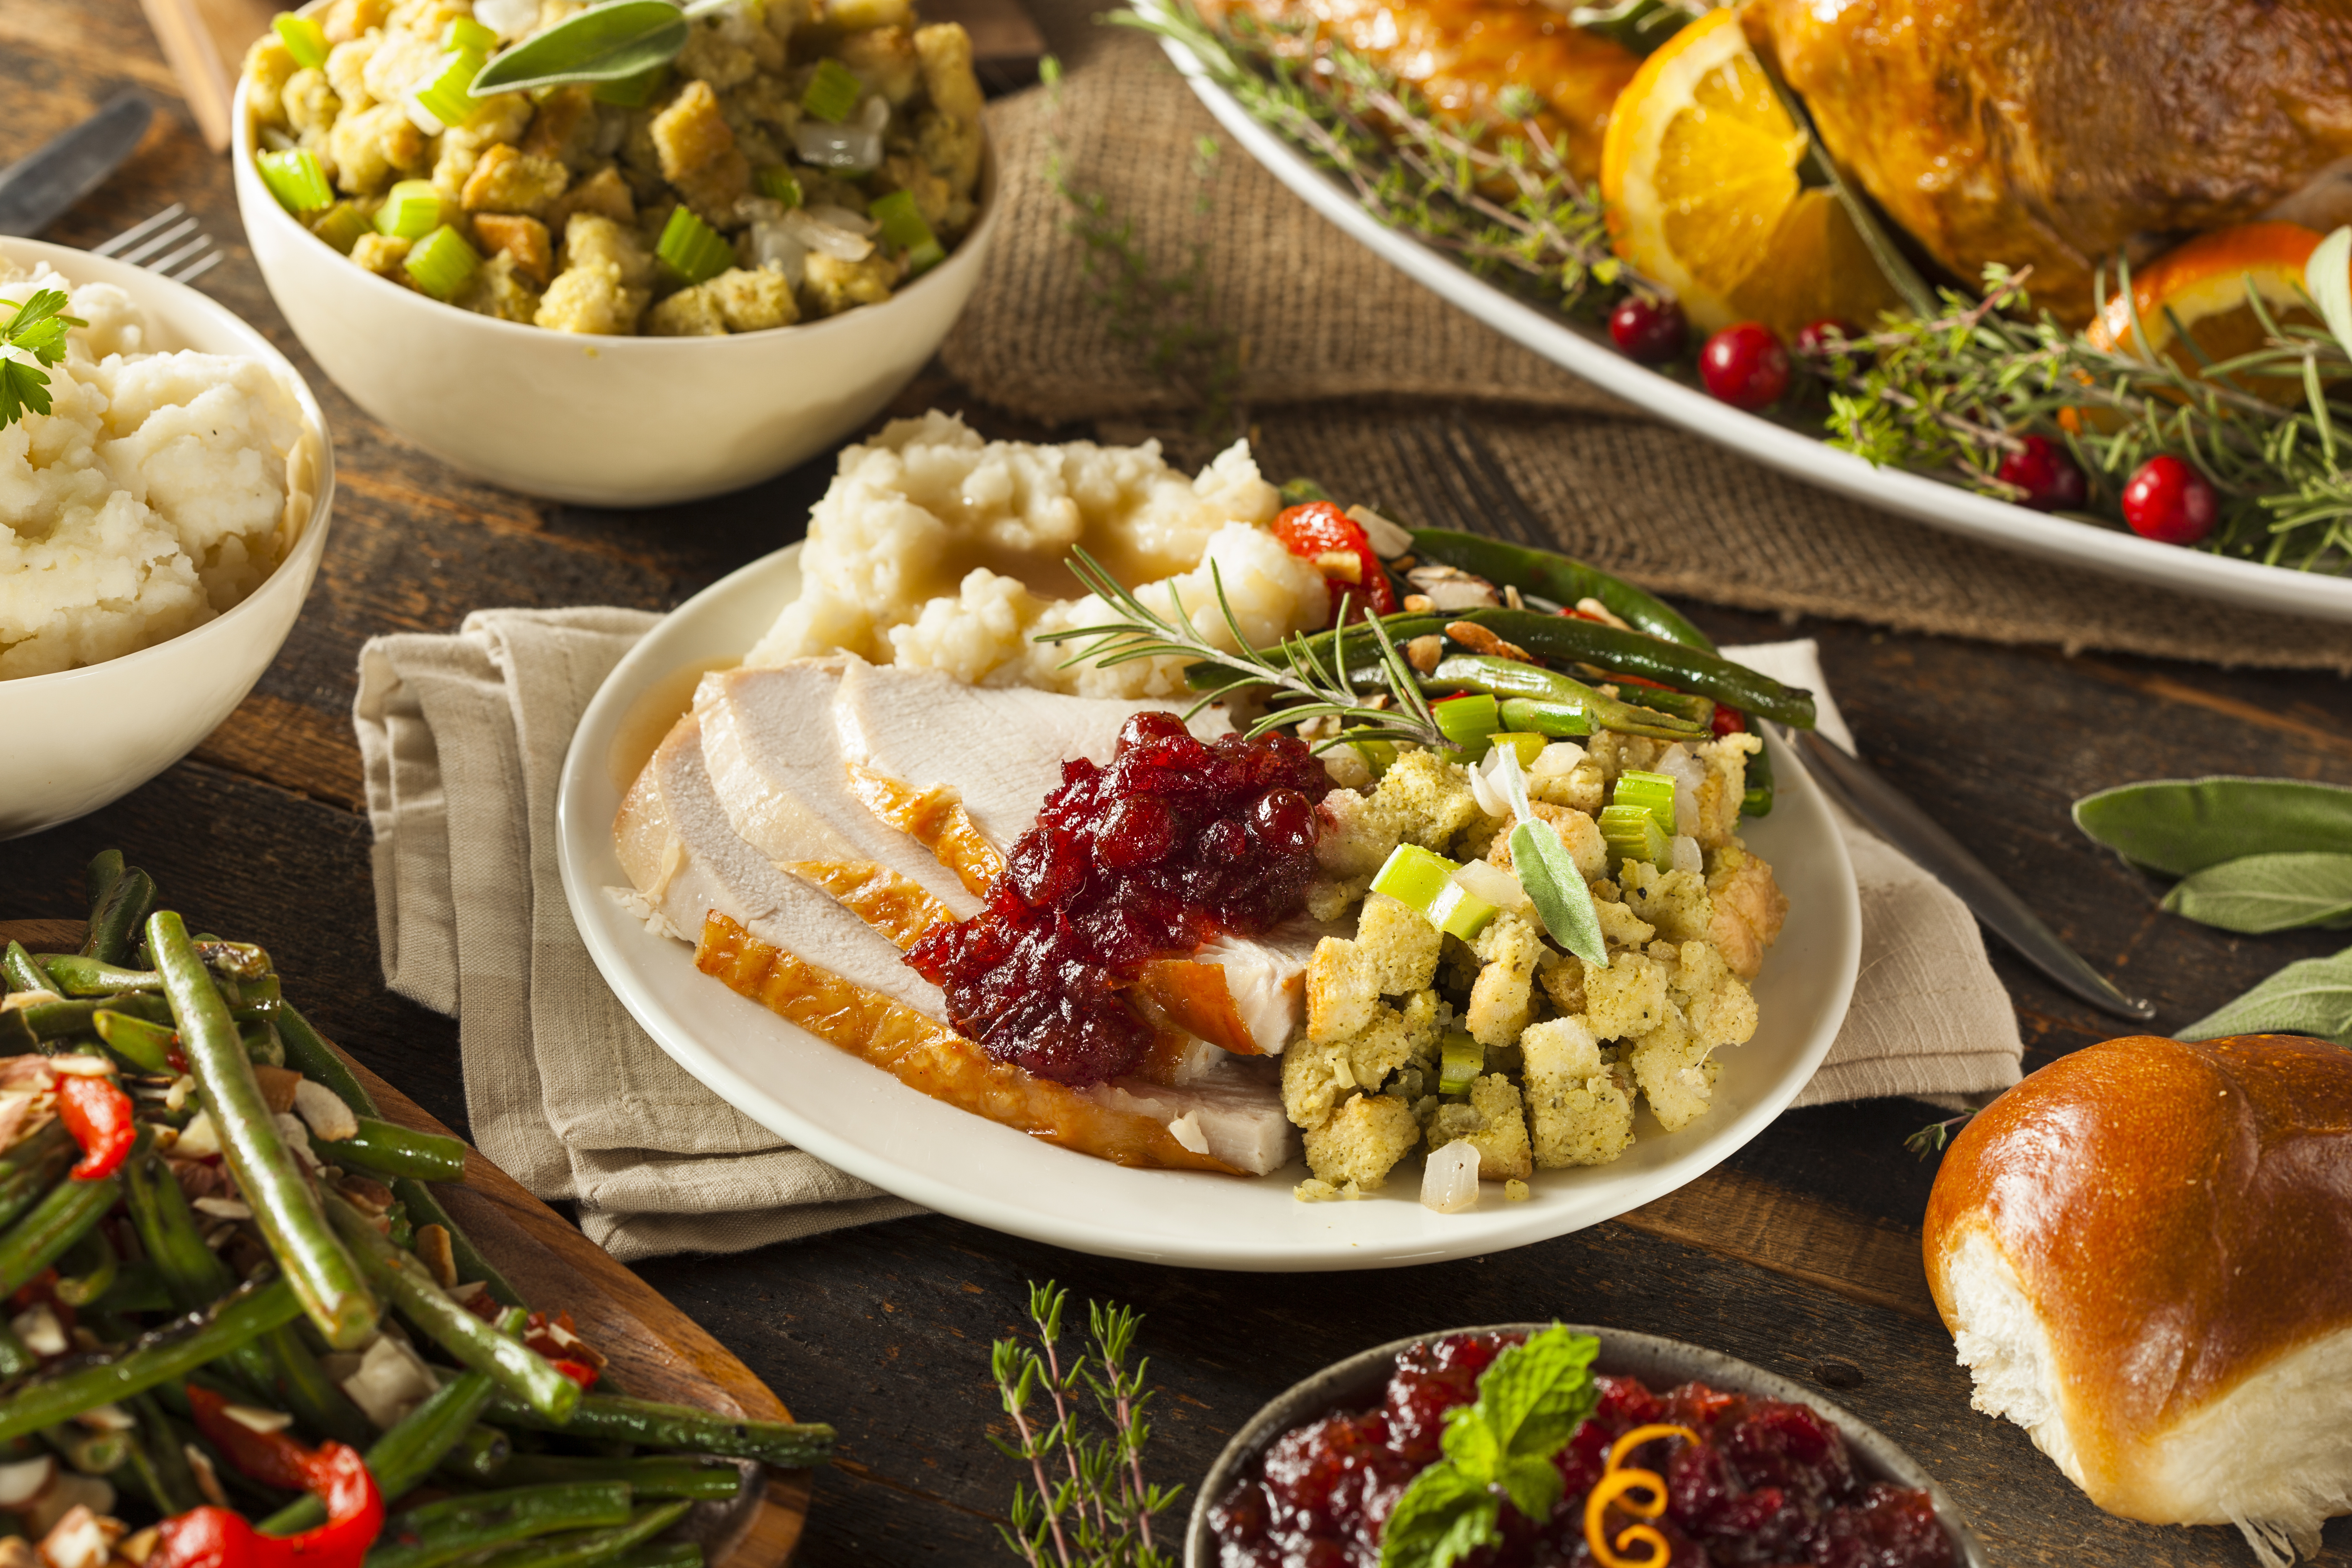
1955,395
1309,684
1498,197
1091,1507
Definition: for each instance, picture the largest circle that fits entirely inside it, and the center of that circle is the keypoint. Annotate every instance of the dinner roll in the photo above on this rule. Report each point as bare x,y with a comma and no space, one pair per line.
2144,1253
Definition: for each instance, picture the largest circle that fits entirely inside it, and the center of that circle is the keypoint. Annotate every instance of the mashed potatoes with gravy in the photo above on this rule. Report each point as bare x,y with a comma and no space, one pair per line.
150,498
936,548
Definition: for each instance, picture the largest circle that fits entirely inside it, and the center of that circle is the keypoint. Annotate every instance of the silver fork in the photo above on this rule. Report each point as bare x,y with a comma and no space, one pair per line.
171,244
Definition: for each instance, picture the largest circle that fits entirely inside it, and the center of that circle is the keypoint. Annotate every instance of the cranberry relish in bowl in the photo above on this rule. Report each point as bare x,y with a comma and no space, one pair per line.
1663,1453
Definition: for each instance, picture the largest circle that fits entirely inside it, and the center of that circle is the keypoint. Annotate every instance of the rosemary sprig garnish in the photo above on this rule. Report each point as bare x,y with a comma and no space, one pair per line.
1955,395
1307,687
1499,197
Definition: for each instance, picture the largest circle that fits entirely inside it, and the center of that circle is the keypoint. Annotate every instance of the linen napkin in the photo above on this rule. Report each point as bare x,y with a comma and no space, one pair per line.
463,740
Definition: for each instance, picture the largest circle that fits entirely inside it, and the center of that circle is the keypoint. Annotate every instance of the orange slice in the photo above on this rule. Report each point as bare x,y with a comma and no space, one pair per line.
1698,172
2202,285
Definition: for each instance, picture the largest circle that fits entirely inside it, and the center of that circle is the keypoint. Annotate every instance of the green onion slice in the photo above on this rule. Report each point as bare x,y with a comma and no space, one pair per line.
832,93
303,39
296,179
464,36
1654,793
411,210
442,263
341,226
447,98
1459,1063
903,229
696,250
778,184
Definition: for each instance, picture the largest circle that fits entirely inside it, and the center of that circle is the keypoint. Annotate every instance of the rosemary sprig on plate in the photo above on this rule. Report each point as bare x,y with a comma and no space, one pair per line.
1309,685
1955,395
1498,197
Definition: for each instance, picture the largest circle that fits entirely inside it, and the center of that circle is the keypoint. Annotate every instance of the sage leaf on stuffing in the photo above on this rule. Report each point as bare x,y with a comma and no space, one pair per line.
2261,893
610,42
2312,997
2176,826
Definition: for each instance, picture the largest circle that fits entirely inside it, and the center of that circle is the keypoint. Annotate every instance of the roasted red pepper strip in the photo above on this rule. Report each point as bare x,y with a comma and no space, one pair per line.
98,1113
1338,547
270,1458
1729,721
217,1538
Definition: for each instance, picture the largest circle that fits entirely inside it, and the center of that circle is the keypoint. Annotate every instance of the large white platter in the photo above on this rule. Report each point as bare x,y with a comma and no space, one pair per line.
1590,355
868,1124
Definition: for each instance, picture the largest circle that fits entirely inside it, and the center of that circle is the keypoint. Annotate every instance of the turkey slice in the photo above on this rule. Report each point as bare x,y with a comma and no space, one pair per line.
1233,1114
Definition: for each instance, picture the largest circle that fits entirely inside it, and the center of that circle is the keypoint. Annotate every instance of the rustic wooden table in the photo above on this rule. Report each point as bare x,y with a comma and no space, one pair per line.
1801,1254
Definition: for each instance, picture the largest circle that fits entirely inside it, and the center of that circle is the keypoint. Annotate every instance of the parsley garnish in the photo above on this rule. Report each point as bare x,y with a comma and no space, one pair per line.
38,329
1530,1402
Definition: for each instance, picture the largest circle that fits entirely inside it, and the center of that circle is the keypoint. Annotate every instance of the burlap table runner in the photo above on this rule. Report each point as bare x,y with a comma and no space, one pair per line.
1338,350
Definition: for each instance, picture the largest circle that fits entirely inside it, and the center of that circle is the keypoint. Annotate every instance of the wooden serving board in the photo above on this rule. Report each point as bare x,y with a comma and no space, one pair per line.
655,1351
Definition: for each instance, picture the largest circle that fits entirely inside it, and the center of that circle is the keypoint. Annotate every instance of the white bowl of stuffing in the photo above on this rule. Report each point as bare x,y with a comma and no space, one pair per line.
161,519
619,293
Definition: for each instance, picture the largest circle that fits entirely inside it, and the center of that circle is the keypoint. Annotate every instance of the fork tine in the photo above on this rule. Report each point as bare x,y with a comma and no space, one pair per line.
139,231
139,255
186,253
203,264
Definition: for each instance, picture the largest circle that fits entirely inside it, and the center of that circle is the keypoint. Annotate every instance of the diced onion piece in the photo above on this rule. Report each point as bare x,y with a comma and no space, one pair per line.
832,93
1463,1060
826,239
843,149
23,1482
511,18
1483,881
1467,722
296,179
1686,855
778,184
324,1111
1414,875
448,98
1449,1178
846,219
777,247
341,226
1556,760
442,264
303,39
694,250
466,34
411,210
1632,834
1654,793
903,229
1689,775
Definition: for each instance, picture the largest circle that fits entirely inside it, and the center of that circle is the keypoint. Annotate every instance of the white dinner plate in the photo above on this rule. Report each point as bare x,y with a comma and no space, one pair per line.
868,1124
1587,352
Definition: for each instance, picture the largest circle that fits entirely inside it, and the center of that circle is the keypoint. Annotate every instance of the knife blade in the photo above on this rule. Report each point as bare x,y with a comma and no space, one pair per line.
1854,784
43,184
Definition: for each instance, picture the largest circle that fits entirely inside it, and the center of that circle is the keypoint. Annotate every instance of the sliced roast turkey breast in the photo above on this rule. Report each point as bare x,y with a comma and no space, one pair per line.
774,757
1233,1114
677,844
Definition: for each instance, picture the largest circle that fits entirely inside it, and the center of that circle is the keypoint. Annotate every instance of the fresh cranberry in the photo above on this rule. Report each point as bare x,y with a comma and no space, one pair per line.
1818,340
2169,502
1647,331
1150,725
1894,1528
1626,1402
1138,831
2046,474
1283,821
1745,365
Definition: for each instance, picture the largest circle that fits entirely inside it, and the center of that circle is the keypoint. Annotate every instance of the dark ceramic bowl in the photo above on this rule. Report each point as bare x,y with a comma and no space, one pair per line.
1356,1383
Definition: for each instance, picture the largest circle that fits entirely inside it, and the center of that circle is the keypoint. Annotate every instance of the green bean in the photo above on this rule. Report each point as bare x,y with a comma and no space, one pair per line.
589,1546
34,1165
173,1351
1572,639
91,1453
407,1453
116,912
234,960
105,870
69,1211
58,1020
480,1455
1509,679
71,975
1556,577
424,1209
87,1268
663,1477
17,1036
514,1365
441,1533
162,1463
261,1045
191,1272
138,1287
387,1148
649,1424
17,967
135,1042
285,1205
662,1554
16,1358
315,1399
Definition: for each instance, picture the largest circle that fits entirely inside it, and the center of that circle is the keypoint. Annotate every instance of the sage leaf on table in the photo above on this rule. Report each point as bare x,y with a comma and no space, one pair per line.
2313,997
610,42
2180,826
2261,893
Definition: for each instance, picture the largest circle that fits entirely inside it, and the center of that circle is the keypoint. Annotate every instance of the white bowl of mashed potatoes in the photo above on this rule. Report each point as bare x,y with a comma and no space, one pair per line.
159,529
588,413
